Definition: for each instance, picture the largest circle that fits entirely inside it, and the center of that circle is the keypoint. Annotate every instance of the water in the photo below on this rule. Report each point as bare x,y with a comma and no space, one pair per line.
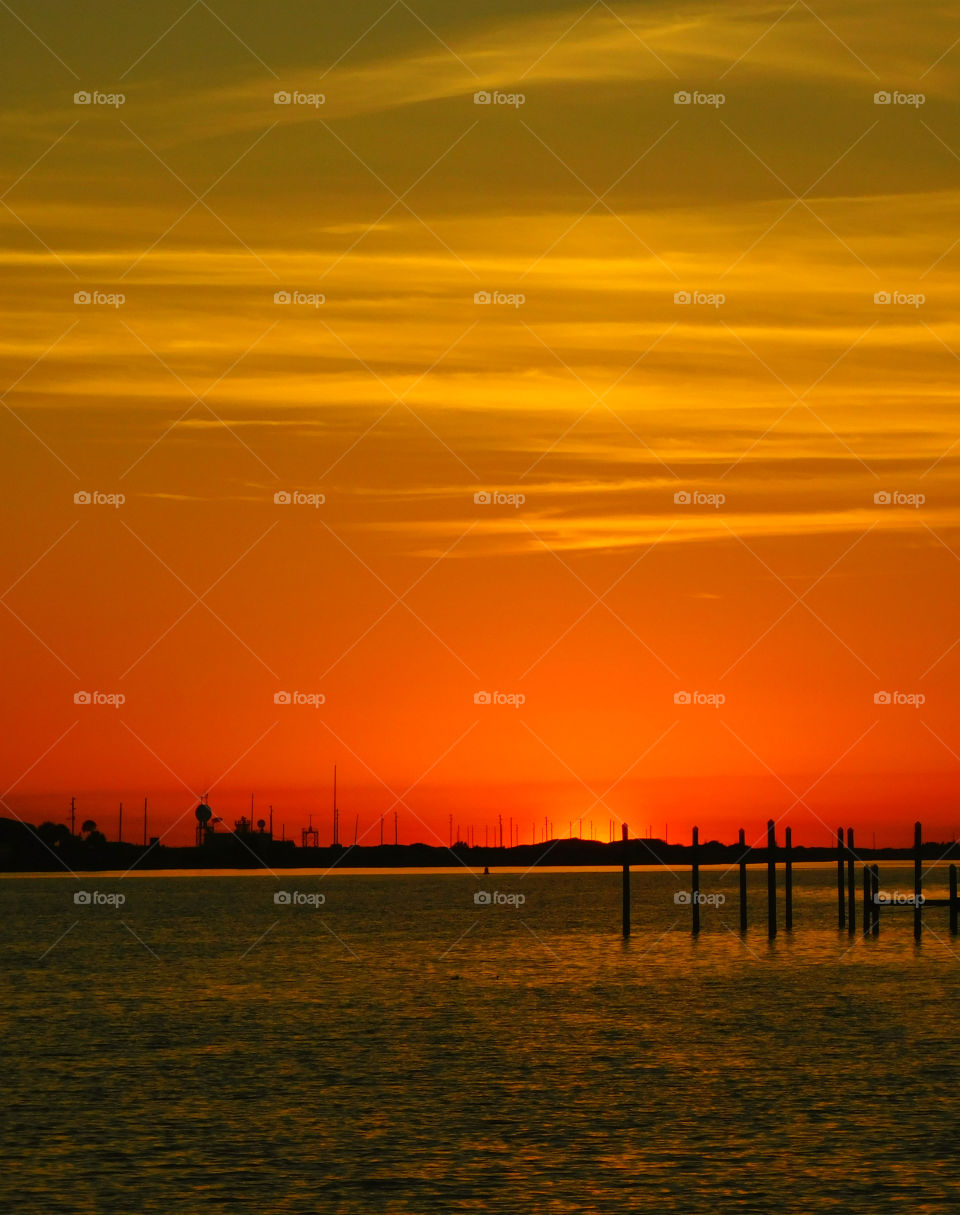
402,1049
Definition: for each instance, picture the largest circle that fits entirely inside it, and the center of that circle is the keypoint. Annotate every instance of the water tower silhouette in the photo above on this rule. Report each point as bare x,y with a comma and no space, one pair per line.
204,814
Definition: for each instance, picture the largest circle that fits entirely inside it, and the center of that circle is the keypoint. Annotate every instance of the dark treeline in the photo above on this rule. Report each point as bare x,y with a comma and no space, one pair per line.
51,847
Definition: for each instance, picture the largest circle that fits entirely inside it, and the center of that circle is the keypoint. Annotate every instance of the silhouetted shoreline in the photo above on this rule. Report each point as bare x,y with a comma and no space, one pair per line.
22,850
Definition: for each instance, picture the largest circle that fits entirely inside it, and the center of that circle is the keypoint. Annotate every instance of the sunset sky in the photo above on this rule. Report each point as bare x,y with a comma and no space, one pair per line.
690,488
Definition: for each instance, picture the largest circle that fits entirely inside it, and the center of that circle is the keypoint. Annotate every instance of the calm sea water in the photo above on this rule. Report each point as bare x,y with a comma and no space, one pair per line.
400,1048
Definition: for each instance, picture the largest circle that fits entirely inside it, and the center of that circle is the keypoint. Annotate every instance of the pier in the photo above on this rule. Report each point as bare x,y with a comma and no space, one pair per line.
775,856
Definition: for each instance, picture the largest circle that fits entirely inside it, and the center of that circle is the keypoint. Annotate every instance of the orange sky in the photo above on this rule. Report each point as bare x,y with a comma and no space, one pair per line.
597,399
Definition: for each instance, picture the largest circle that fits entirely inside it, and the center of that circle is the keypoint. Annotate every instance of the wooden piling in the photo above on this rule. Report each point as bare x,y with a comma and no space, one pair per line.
851,886
626,885
771,879
953,900
788,880
743,881
917,882
841,903
695,880
874,895
867,899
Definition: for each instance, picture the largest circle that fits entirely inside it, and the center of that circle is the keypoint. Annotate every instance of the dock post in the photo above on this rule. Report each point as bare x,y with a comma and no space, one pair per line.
917,882
953,900
874,895
841,904
771,879
695,880
743,881
788,881
626,885
851,886
867,899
